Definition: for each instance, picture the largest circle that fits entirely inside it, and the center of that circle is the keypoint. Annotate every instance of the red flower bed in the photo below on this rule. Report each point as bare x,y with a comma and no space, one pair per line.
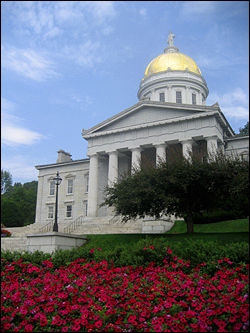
97,297
5,233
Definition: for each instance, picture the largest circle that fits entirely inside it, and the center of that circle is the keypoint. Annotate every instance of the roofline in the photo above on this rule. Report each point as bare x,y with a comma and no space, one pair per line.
44,166
198,108
238,137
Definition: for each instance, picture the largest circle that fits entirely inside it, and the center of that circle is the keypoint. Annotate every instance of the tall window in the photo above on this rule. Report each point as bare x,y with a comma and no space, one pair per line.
50,212
69,211
86,180
162,97
52,187
85,204
70,186
178,97
193,98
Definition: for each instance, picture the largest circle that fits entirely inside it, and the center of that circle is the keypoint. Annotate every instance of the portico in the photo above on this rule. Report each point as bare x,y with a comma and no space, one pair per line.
125,155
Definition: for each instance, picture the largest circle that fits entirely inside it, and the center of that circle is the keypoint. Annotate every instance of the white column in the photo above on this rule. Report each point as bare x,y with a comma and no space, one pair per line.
187,149
171,95
93,185
188,96
136,159
113,167
212,146
39,201
199,98
160,153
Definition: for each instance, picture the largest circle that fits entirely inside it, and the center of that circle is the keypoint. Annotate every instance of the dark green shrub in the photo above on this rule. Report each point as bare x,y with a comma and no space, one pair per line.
216,216
144,251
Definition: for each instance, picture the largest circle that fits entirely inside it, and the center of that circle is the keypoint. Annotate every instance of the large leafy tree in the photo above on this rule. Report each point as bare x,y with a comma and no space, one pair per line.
12,214
18,204
183,187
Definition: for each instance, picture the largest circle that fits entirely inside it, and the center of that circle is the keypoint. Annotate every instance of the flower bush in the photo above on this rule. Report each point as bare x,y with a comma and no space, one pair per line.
5,233
99,297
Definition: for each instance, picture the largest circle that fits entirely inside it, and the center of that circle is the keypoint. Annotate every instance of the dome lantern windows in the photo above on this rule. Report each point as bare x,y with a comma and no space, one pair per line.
162,97
194,99
178,97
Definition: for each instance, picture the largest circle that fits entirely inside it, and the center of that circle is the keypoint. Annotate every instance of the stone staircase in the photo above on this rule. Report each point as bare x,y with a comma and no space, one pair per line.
84,226
106,225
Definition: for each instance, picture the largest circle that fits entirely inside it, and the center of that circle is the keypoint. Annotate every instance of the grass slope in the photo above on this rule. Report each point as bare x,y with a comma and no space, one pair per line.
224,232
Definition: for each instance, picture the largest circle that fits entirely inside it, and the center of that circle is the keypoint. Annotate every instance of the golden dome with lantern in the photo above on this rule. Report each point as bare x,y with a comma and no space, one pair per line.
173,60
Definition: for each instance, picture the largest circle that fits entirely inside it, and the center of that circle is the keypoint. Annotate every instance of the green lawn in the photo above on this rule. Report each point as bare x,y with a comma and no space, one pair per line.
221,227
224,232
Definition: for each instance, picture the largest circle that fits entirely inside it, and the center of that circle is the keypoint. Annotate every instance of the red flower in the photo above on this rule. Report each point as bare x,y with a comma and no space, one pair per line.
97,296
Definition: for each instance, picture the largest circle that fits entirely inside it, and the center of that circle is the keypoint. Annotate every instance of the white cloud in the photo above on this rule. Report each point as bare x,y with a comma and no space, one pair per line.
101,10
67,29
49,18
13,134
86,54
20,167
233,104
238,112
27,63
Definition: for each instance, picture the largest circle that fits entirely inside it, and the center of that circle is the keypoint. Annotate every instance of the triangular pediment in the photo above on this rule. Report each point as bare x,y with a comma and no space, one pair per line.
145,113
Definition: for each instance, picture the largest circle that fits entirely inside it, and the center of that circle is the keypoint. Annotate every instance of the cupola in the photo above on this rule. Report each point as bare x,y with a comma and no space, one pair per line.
173,77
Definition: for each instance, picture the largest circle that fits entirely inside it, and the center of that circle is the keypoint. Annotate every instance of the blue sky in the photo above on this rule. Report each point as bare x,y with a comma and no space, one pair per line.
68,65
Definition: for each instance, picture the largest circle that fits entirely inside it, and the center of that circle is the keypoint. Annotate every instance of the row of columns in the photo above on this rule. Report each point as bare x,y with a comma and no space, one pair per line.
212,147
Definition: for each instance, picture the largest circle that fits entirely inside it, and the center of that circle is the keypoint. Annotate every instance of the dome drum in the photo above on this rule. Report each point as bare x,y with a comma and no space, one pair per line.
169,82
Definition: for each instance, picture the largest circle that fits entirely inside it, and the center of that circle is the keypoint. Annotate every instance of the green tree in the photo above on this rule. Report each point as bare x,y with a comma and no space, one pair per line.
22,199
12,215
183,187
6,181
244,130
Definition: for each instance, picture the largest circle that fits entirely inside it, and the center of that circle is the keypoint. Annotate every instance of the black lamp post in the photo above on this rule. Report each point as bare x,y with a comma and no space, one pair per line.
57,181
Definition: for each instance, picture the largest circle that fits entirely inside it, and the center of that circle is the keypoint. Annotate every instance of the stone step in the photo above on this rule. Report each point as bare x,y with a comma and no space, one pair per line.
107,229
101,225
18,239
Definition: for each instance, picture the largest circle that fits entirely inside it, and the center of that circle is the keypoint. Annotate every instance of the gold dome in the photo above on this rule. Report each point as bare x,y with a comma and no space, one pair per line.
174,61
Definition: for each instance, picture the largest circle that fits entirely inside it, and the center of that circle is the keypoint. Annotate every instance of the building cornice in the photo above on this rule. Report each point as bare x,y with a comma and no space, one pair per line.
159,123
141,104
46,166
243,137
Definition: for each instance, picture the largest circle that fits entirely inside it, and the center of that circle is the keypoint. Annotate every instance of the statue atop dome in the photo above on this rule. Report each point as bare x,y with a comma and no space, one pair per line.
171,39
171,47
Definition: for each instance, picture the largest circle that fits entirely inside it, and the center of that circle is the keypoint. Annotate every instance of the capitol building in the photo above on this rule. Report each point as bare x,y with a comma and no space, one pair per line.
170,116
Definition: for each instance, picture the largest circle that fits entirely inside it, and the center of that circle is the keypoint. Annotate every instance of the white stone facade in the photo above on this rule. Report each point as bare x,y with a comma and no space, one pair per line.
72,192
147,132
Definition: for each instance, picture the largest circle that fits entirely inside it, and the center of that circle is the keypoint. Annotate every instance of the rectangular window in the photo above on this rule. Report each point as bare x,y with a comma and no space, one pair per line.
50,212
87,183
69,211
70,186
85,204
178,97
193,98
162,97
52,187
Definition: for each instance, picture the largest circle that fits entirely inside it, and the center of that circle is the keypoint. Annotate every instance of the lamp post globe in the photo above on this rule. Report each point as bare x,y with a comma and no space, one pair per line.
57,181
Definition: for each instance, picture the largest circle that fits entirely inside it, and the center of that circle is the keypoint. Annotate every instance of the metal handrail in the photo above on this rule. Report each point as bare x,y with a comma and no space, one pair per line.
117,219
47,227
74,224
